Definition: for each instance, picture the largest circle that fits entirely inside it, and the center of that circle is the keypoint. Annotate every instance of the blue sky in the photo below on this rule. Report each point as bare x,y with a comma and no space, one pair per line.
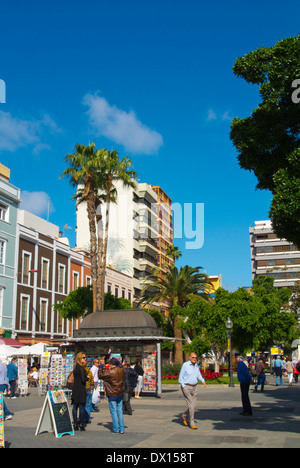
152,79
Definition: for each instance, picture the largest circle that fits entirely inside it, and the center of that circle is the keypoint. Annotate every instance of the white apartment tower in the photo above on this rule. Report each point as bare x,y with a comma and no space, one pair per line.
272,256
133,230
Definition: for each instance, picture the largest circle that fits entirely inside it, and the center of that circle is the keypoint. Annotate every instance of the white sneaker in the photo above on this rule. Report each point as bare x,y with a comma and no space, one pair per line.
7,418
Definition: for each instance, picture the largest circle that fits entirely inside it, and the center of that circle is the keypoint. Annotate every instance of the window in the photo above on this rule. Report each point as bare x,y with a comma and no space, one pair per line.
45,273
3,212
61,278
123,293
26,267
2,251
25,300
129,295
88,281
75,280
43,315
59,323
290,261
116,292
109,288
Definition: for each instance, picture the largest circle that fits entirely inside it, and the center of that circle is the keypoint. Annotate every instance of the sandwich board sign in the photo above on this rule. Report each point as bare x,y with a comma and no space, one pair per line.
55,415
2,442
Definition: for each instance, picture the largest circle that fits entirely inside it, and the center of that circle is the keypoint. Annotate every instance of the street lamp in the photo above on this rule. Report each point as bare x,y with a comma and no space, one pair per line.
229,326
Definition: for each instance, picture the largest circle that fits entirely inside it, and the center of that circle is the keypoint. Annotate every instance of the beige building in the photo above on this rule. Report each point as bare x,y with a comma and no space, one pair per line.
274,257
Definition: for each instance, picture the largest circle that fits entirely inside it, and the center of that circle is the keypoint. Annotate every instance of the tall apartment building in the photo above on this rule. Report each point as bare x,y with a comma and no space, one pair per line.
272,256
9,205
139,223
165,226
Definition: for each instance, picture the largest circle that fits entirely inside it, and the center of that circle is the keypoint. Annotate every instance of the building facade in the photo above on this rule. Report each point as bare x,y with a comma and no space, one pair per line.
9,205
133,233
273,257
43,279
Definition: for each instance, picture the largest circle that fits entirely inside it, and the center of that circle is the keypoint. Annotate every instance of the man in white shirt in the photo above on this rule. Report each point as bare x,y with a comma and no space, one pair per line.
94,371
188,379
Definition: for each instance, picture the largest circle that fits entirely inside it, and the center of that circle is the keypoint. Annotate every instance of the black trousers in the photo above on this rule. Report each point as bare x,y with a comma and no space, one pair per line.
245,397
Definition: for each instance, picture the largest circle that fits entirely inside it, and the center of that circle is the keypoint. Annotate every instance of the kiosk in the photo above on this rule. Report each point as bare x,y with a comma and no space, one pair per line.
131,333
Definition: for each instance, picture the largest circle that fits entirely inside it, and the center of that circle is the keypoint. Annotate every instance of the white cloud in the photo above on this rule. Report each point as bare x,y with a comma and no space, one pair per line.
36,202
120,126
213,115
16,133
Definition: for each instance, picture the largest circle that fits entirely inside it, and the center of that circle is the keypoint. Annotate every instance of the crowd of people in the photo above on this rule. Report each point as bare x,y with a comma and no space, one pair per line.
120,381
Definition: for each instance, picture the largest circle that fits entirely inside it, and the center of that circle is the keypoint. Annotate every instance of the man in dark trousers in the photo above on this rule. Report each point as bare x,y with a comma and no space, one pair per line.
129,384
244,377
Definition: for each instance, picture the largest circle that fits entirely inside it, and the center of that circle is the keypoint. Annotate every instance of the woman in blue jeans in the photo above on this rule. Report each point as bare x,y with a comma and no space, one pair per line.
114,389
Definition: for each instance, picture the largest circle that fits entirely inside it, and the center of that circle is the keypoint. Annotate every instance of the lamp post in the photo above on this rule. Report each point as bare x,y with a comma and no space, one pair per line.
229,326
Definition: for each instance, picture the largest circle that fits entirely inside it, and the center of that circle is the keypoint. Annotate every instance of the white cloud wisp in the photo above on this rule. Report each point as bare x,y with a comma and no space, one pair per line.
120,126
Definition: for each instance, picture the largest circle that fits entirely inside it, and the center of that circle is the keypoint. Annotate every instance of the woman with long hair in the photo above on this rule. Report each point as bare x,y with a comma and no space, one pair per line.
79,391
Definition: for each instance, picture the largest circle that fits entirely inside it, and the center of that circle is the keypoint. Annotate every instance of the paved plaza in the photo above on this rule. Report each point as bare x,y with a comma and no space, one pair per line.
156,422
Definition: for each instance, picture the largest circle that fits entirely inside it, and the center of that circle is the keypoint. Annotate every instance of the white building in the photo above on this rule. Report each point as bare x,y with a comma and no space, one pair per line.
272,256
133,228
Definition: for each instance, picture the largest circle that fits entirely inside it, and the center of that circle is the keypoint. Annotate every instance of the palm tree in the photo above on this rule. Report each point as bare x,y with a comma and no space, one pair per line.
179,287
173,252
114,170
85,165
94,174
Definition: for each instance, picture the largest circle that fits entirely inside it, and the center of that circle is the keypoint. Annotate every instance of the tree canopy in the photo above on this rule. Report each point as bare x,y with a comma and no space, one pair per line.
268,140
258,319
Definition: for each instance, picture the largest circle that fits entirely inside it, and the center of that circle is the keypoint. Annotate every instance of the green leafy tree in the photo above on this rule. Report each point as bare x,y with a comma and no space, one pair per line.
268,140
79,303
179,287
259,320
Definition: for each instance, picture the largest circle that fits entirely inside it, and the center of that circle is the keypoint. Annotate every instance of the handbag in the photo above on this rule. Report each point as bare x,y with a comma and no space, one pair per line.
96,396
70,381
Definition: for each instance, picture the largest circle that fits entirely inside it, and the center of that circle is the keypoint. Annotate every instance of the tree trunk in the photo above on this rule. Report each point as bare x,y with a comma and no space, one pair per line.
178,344
91,210
105,244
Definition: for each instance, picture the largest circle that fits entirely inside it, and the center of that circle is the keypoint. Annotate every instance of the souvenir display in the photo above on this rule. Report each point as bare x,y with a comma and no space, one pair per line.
68,367
44,372
22,376
2,443
56,371
149,367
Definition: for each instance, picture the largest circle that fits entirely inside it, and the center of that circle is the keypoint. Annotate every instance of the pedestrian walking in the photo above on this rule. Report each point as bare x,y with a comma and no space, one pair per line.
290,371
296,371
260,375
129,384
188,379
140,372
114,389
244,378
4,385
12,374
79,392
278,367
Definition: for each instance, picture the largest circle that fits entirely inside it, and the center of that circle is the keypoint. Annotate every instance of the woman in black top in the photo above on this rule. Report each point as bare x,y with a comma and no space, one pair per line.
79,391
139,370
